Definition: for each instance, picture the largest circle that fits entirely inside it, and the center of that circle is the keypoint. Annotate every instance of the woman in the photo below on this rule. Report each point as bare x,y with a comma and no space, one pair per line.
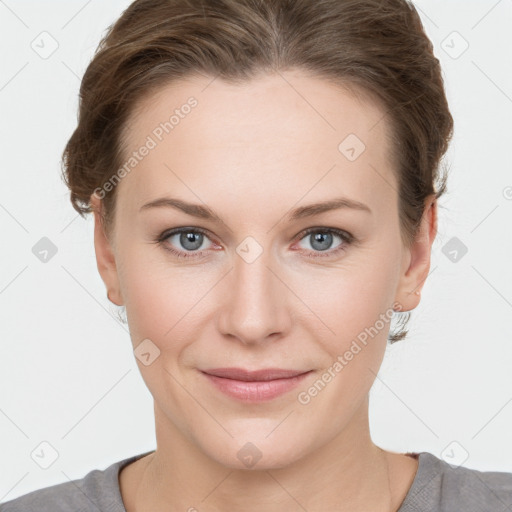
264,181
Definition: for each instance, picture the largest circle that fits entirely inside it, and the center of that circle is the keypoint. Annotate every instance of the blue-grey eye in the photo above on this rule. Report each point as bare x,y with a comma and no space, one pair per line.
320,240
190,240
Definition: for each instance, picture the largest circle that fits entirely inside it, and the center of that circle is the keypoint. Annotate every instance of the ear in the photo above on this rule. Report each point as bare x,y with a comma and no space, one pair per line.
416,259
105,256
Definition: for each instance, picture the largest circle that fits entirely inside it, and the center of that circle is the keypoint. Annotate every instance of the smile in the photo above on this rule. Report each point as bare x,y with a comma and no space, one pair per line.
254,386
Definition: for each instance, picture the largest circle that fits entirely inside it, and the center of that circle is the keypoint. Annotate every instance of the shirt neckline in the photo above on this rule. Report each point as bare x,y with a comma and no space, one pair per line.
425,463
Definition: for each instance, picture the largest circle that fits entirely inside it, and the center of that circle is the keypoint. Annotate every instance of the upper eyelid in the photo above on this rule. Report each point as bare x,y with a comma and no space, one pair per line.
320,229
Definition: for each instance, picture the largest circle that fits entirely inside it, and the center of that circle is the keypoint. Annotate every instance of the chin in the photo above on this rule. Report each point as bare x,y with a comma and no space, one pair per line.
254,453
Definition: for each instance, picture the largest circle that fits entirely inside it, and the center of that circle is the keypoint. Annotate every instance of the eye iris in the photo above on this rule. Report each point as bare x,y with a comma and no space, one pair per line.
185,238
322,237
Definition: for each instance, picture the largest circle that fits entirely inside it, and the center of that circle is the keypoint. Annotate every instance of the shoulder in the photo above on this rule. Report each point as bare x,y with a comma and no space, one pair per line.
97,490
442,487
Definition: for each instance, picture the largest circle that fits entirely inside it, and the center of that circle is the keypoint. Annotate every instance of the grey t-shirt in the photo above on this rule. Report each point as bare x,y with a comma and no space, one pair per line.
437,487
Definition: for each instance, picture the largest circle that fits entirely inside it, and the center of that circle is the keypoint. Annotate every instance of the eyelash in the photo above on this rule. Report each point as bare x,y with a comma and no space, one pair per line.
347,239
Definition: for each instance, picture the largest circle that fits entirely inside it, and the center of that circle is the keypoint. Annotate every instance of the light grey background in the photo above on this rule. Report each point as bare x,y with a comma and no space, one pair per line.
68,376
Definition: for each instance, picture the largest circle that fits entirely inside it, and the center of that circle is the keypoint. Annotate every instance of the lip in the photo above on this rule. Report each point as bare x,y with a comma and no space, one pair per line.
257,385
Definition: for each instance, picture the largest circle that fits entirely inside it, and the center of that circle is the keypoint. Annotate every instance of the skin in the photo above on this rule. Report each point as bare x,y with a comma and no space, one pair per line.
252,153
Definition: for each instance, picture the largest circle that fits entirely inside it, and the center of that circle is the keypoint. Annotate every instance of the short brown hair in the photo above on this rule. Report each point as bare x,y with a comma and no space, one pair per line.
375,47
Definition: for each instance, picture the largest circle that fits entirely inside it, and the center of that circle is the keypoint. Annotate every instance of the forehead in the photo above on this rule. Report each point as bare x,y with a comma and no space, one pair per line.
280,132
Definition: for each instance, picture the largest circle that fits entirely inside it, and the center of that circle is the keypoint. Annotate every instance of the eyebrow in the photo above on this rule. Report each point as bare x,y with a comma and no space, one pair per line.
203,212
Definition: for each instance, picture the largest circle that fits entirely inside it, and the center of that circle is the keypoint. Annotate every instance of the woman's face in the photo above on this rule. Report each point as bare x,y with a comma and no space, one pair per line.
245,286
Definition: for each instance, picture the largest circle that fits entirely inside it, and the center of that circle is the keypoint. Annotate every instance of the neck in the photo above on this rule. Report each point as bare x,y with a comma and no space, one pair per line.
349,473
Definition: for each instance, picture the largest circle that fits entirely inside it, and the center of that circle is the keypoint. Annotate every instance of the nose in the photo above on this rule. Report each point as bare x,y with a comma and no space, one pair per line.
254,308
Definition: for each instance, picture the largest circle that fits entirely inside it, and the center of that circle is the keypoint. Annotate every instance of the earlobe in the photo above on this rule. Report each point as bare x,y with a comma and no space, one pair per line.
105,255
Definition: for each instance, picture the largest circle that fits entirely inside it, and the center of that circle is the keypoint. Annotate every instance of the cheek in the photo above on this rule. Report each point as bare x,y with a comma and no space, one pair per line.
151,299
354,323
162,302
352,313
349,300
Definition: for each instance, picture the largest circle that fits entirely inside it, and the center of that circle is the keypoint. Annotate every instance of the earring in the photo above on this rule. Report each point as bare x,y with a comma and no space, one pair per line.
417,292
